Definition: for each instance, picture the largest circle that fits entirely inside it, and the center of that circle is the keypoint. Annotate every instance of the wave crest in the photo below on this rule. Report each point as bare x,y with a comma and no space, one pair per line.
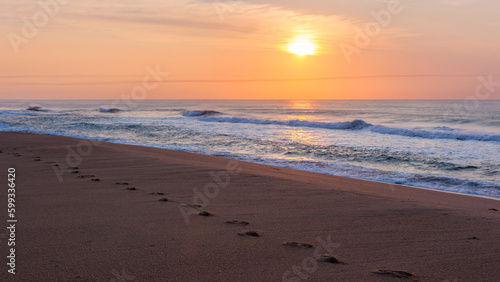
108,109
431,133
355,124
436,134
200,113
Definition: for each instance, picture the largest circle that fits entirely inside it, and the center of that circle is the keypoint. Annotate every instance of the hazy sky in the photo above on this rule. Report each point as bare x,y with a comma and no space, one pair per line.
225,49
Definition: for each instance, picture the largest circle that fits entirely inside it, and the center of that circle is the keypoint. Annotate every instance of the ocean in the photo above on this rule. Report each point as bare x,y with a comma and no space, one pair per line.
444,145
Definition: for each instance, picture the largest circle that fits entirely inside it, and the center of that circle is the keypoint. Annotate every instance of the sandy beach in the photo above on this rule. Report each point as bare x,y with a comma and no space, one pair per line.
95,211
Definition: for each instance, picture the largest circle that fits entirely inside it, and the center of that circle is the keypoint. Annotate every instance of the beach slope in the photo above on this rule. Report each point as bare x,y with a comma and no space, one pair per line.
95,211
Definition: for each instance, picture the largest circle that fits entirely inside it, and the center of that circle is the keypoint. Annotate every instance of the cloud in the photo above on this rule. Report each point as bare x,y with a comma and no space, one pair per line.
155,20
171,22
460,2
230,23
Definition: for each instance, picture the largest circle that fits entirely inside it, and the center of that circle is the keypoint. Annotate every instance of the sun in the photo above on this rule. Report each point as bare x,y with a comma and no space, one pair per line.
302,47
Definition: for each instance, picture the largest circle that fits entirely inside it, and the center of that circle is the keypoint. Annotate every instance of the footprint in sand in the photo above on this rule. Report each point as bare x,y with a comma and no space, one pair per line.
237,222
190,206
122,183
250,234
132,189
163,200
493,209
298,245
394,273
95,179
37,159
86,176
205,213
156,193
75,171
330,259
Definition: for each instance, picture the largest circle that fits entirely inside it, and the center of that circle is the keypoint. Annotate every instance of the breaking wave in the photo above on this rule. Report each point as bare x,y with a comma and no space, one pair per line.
355,124
430,133
107,109
200,113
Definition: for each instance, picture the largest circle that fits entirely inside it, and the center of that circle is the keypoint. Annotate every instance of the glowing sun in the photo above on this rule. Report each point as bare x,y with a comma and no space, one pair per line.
302,47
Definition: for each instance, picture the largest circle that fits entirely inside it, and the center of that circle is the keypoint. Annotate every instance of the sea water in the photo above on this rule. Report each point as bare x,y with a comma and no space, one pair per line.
445,145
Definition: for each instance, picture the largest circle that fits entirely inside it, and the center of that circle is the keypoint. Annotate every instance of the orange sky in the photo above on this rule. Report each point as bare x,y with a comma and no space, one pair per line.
225,49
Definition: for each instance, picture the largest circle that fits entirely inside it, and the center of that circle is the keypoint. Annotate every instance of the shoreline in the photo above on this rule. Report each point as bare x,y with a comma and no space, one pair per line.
200,152
91,225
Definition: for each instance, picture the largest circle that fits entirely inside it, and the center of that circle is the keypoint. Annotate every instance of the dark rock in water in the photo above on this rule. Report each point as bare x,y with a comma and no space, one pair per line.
205,213
36,109
329,259
394,273
109,110
200,113
210,113
250,233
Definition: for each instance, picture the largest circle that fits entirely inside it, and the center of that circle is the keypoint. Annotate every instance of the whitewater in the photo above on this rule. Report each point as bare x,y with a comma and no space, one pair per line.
432,144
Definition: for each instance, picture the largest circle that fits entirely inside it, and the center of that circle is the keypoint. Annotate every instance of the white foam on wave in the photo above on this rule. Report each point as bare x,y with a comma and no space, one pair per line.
431,133
423,181
436,133
355,124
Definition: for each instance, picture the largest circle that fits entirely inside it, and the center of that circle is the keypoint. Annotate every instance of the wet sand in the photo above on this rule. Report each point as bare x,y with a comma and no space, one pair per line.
94,211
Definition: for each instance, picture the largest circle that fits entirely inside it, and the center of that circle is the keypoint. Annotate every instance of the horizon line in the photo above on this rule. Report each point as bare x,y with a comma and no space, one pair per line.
236,80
